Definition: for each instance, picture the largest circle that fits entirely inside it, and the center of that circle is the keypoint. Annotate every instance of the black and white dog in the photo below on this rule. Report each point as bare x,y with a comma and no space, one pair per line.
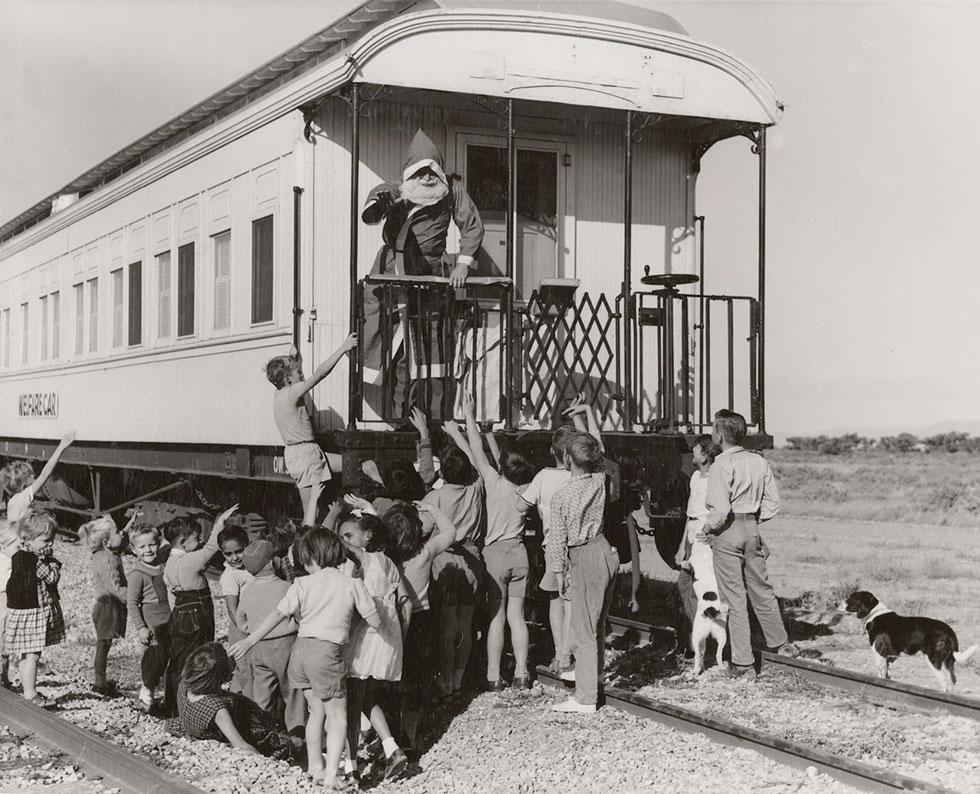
891,635
710,620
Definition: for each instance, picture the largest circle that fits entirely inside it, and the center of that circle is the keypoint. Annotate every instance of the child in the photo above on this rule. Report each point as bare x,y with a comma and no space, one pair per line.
414,555
694,555
539,493
457,571
17,478
192,615
149,610
269,658
306,462
326,602
34,619
105,541
503,553
208,712
374,654
234,578
584,564
9,543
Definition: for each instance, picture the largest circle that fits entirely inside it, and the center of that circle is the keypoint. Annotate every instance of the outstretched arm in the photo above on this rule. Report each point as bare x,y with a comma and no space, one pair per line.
327,366
451,429
475,439
46,472
590,424
427,469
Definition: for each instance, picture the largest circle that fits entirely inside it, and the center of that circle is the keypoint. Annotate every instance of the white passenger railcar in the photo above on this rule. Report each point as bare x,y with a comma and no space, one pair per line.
140,303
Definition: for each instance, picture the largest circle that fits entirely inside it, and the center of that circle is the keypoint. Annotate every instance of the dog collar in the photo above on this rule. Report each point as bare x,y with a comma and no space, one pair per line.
877,612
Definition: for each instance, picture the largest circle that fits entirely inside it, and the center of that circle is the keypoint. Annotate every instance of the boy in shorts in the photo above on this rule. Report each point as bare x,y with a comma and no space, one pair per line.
306,462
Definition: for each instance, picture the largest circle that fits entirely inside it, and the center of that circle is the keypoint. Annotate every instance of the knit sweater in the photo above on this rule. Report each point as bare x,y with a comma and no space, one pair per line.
146,596
108,578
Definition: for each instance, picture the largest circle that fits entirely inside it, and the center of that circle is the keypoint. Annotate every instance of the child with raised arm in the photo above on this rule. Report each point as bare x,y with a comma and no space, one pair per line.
192,616
584,564
149,610
106,542
17,479
503,552
34,617
325,602
306,462
233,541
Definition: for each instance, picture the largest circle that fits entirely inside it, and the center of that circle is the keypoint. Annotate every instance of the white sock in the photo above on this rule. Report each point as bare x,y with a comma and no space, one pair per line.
389,745
348,765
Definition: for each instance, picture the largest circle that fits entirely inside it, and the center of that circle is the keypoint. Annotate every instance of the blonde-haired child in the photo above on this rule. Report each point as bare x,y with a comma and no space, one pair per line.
17,478
105,542
149,609
9,543
34,618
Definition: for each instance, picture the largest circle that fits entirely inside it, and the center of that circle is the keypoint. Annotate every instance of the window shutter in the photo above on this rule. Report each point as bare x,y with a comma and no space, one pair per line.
222,281
117,308
55,324
79,319
185,290
263,270
164,304
44,328
136,303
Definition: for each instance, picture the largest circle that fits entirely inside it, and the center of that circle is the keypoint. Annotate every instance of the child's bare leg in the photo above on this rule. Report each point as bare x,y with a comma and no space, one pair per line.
518,635
556,617
495,638
313,499
447,649
314,736
28,674
336,463
336,730
464,643
380,723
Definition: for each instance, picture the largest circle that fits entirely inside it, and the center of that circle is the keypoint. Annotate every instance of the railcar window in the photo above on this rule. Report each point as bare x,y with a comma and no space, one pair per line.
44,328
93,314
263,269
222,280
5,322
55,325
136,303
79,319
164,307
185,290
117,307
24,317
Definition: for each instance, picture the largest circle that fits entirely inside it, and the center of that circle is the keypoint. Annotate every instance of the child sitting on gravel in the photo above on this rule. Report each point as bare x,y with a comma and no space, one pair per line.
234,579
326,602
34,618
9,543
192,616
106,542
149,610
206,711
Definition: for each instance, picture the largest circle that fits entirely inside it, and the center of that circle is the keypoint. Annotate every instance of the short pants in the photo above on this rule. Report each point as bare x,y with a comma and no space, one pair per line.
318,665
507,569
306,464
456,575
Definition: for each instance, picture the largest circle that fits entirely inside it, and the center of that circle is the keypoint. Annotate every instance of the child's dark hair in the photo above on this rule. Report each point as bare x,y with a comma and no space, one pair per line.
585,453
206,669
320,547
403,532
276,370
403,483
179,529
455,467
368,523
233,533
516,466
708,446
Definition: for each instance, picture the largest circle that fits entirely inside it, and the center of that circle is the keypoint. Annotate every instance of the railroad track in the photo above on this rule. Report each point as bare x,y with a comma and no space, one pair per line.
95,755
880,691
854,773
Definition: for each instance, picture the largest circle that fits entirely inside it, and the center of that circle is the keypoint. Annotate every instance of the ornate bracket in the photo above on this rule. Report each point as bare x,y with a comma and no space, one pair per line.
643,122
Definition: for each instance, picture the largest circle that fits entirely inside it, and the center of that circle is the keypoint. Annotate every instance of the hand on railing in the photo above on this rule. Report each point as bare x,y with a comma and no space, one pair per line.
419,422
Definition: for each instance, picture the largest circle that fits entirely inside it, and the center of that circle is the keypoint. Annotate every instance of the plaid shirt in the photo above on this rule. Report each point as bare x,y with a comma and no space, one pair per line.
576,517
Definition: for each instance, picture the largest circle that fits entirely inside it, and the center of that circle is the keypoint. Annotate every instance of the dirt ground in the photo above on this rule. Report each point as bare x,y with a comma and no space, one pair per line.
915,570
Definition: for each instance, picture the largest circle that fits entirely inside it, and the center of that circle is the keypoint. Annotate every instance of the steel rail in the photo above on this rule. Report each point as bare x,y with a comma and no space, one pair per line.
880,691
94,754
854,773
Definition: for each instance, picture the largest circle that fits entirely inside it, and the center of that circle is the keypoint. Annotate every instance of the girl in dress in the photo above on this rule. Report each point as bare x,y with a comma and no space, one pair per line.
374,655
206,711
106,542
34,619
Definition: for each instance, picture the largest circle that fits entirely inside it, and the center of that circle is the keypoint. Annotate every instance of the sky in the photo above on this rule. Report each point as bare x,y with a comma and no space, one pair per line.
873,242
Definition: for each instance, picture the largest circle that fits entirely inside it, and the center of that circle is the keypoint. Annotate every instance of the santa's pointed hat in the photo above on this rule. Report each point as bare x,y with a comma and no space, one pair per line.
423,153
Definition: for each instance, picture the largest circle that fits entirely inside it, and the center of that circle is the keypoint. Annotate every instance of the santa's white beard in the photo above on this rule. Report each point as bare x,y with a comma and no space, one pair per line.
415,191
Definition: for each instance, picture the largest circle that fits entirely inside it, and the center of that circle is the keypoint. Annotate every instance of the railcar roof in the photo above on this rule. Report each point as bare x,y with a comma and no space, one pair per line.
306,55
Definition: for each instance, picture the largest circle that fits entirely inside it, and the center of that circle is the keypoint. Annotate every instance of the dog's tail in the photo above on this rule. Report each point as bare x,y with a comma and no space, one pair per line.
964,656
